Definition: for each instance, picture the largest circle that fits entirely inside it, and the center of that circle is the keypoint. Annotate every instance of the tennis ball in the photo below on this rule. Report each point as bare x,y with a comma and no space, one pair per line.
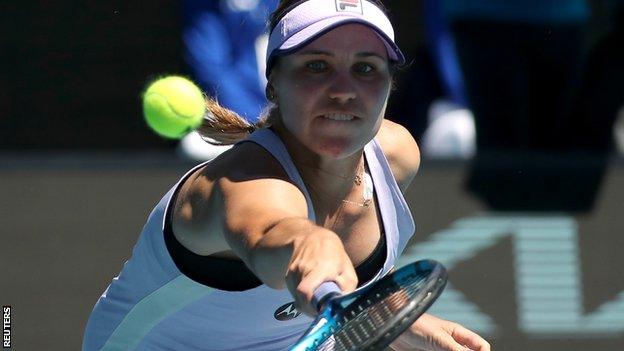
173,106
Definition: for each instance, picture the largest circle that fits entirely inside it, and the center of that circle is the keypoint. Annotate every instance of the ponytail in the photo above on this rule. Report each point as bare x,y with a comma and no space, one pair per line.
222,126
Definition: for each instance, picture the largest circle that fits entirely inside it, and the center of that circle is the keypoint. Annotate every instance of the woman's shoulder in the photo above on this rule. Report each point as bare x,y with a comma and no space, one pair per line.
244,163
245,160
200,204
401,150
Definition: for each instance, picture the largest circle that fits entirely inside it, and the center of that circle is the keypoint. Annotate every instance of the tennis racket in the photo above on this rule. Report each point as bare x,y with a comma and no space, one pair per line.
370,319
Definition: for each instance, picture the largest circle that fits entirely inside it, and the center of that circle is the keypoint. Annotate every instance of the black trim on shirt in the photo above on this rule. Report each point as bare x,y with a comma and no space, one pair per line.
232,274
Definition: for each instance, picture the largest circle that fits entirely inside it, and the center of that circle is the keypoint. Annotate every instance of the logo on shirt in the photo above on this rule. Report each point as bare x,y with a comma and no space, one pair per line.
286,312
349,6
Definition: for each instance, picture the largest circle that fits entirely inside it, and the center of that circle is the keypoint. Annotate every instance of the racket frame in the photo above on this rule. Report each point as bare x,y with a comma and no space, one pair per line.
330,318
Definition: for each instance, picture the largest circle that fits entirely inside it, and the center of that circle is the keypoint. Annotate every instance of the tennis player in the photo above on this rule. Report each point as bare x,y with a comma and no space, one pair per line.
233,252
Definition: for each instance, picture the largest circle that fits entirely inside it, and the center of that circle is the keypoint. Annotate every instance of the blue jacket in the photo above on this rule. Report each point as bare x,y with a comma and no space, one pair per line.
225,50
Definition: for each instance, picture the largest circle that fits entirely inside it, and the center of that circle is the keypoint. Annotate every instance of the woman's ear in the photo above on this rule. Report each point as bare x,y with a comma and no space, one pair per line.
269,91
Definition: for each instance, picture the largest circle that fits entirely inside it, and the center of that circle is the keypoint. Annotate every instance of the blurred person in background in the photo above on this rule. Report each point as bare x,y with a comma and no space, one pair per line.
451,129
618,132
430,98
521,62
601,97
224,42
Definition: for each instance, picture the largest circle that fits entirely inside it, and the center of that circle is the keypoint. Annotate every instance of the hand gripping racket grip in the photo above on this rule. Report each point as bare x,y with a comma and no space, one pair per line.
323,293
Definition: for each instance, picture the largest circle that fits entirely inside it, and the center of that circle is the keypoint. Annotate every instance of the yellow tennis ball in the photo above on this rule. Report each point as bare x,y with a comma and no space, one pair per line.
173,106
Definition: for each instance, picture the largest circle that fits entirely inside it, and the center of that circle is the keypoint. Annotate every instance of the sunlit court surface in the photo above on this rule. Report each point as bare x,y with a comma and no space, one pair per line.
530,227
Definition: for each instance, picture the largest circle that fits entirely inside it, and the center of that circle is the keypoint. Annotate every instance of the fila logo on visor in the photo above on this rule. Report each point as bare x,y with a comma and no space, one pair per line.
349,6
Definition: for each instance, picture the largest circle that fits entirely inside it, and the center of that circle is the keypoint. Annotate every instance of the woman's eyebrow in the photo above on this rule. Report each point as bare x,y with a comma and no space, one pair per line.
369,54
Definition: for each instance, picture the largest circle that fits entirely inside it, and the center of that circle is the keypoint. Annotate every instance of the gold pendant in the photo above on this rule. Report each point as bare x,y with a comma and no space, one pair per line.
357,179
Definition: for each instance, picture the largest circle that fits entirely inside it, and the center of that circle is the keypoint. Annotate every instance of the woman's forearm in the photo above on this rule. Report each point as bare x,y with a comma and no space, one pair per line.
269,257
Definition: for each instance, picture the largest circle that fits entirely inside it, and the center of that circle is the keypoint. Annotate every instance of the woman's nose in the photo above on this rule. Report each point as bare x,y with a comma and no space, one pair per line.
341,88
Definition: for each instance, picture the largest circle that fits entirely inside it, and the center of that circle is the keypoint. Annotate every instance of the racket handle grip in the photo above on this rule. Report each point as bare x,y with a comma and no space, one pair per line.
324,292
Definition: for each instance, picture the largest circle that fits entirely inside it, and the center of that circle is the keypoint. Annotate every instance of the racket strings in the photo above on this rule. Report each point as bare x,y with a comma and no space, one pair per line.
363,322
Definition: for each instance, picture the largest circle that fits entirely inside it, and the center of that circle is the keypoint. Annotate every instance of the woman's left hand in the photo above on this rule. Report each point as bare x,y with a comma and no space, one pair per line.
430,333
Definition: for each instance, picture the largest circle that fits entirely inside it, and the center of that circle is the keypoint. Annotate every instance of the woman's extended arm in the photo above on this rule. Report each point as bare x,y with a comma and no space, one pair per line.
256,212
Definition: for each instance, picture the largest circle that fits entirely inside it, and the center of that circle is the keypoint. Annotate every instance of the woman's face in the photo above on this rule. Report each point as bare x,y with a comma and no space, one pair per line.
332,93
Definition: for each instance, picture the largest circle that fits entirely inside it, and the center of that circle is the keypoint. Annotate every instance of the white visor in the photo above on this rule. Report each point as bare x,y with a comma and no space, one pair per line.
313,18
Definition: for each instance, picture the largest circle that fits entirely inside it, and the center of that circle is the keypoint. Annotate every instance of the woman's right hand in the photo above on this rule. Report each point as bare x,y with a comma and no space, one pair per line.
318,257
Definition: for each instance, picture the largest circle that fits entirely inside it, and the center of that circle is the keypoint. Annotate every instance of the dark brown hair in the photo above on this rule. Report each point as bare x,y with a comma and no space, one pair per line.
222,126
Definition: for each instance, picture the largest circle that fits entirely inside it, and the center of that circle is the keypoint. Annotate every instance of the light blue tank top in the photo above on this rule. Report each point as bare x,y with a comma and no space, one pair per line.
152,306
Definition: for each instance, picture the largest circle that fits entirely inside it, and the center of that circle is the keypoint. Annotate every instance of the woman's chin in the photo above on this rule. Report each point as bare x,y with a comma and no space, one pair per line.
336,148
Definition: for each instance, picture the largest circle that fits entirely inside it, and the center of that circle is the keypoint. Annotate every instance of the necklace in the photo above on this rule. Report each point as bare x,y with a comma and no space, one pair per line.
361,176
357,178
367,192
367,195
